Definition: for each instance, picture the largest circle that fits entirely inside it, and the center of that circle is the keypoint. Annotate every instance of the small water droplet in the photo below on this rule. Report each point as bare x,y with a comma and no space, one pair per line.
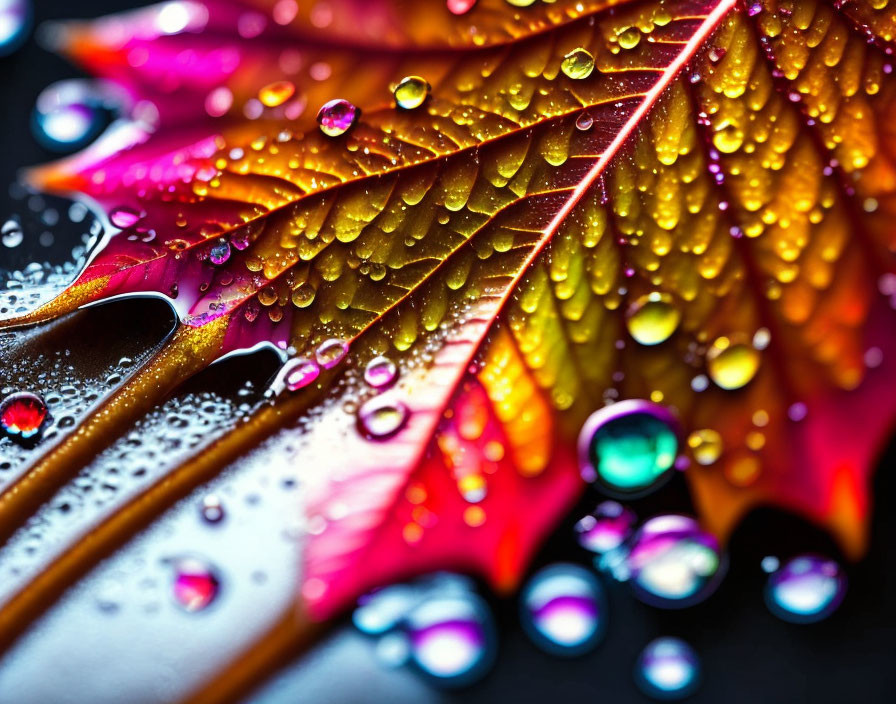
578,64
706,446
381,417
584,122
195,585
732,364
668,668
22,414
411,92
212,509
11,234
220,253
380,372
607,528
331,352
123,217
336,117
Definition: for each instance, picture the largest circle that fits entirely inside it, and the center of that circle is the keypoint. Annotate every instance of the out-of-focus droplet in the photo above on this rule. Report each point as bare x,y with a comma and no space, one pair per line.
123,217
460,7
520,3
452,639
628,447
806,589
299,373
70,114
584,122
673,563
15,19
578,64
331,352
380,372
381,417
607,528
22,414
563,609
382,610
195,585
11,234
706,446
336,117
668,668
276,93
732,365
411,92
220,253
212,509
652,318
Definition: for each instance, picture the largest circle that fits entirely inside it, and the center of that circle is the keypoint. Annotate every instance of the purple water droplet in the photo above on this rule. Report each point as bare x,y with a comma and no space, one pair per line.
299,373
336,117
380,372
220,253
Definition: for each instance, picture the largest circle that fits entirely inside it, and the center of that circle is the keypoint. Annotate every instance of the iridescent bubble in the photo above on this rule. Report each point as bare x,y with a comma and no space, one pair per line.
668,668
578,64
195,585
331,352
22,414
563,609
806,589
607,528
70,114
11,233
652,318
15,19
380,372
381,417
672,563
411,92
452,639
628,448
732,364
336,117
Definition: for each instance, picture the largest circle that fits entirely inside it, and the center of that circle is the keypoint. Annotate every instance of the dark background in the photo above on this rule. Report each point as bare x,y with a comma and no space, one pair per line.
748,655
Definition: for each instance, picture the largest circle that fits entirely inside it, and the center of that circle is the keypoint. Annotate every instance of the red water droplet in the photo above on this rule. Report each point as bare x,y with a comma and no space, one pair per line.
460,7
195,584
22,414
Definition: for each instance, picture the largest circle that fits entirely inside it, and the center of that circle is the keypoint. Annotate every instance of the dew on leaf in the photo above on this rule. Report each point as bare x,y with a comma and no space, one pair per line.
563,610
336,117
123,217
668,669
578,64
195,584
584,122
732,364
22,414
331,352
652,318
411,92
220,253
805,589
380,372
381,417
299,373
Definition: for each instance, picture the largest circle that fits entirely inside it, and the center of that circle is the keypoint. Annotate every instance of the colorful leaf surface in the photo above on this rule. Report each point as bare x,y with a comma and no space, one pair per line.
735,162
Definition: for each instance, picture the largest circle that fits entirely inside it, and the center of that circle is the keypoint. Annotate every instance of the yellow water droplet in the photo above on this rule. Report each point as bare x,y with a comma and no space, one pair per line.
578,64
630,38
521,3
732,365
652,318
411,92
706,445
277,93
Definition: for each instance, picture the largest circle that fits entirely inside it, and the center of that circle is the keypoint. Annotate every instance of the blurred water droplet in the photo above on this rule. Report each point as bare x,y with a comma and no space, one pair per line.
277,93
15,19
123,217
460,7
195,585
212,509
70,114
732,364
298,373
668,668
652,318
806,589
607,528
11,234
381,417
706,446
331,352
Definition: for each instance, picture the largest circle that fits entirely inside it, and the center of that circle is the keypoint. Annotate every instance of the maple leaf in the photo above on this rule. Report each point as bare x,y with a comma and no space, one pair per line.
732,162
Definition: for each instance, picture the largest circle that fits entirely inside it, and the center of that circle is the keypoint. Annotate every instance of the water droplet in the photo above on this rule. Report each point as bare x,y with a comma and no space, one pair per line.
382,610
584,121
805,589
69,114
381,417
452,638
411,92
22,414
460,7
331,352
123,217
220,253
668,668
607,528
11,234
521,3
706,446
380,372
212,509
299,373
652,318
563,609
15,18
336,117
672,563
629,447
195,585
578,64
731,364
277,93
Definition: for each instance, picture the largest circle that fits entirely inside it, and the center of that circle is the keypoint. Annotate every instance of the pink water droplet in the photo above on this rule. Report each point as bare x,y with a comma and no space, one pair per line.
220,253
336,117
380,372
123,217
331,352
460,7
298,373
22,414
196,584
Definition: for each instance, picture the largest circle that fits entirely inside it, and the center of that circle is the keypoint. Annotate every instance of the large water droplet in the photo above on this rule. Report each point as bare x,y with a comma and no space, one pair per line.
806,589
381,417
70,114
460,7
22,414
607,528
578,64
15,18
668,668
336,117
652,318
411,92
380,372
299,373
195,585
672,563
563,609
732,364
628,448
331,352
